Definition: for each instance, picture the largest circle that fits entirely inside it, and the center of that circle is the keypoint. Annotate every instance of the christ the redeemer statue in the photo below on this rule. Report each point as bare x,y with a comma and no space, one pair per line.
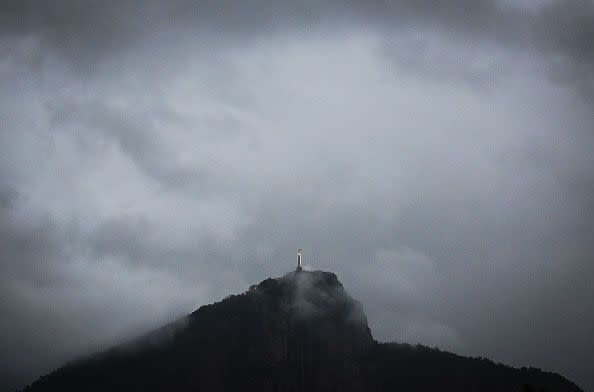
299,260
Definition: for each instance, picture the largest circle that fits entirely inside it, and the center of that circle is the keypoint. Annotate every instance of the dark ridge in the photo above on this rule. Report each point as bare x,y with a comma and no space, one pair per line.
300,332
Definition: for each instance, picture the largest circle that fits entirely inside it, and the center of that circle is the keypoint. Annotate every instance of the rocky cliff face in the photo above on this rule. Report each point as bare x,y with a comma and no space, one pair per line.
301,332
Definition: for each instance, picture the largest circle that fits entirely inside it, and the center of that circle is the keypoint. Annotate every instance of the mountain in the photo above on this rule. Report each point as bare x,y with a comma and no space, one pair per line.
300,332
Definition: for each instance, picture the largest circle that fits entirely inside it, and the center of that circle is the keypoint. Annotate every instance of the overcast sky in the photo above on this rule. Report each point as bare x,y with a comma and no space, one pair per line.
438,156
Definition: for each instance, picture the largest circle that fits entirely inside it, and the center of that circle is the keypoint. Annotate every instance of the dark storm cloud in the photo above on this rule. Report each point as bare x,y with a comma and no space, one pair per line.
566,33
559,31
158,156
7,197
135,135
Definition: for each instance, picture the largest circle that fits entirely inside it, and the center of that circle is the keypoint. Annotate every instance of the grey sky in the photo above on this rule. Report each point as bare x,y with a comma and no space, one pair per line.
436,155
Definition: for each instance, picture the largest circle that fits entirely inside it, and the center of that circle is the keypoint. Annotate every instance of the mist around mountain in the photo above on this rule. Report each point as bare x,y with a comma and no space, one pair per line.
300,332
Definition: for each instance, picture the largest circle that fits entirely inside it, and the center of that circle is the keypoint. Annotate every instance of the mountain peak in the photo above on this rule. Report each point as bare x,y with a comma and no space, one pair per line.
305,289
314,295
294,279
312,303
298,332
